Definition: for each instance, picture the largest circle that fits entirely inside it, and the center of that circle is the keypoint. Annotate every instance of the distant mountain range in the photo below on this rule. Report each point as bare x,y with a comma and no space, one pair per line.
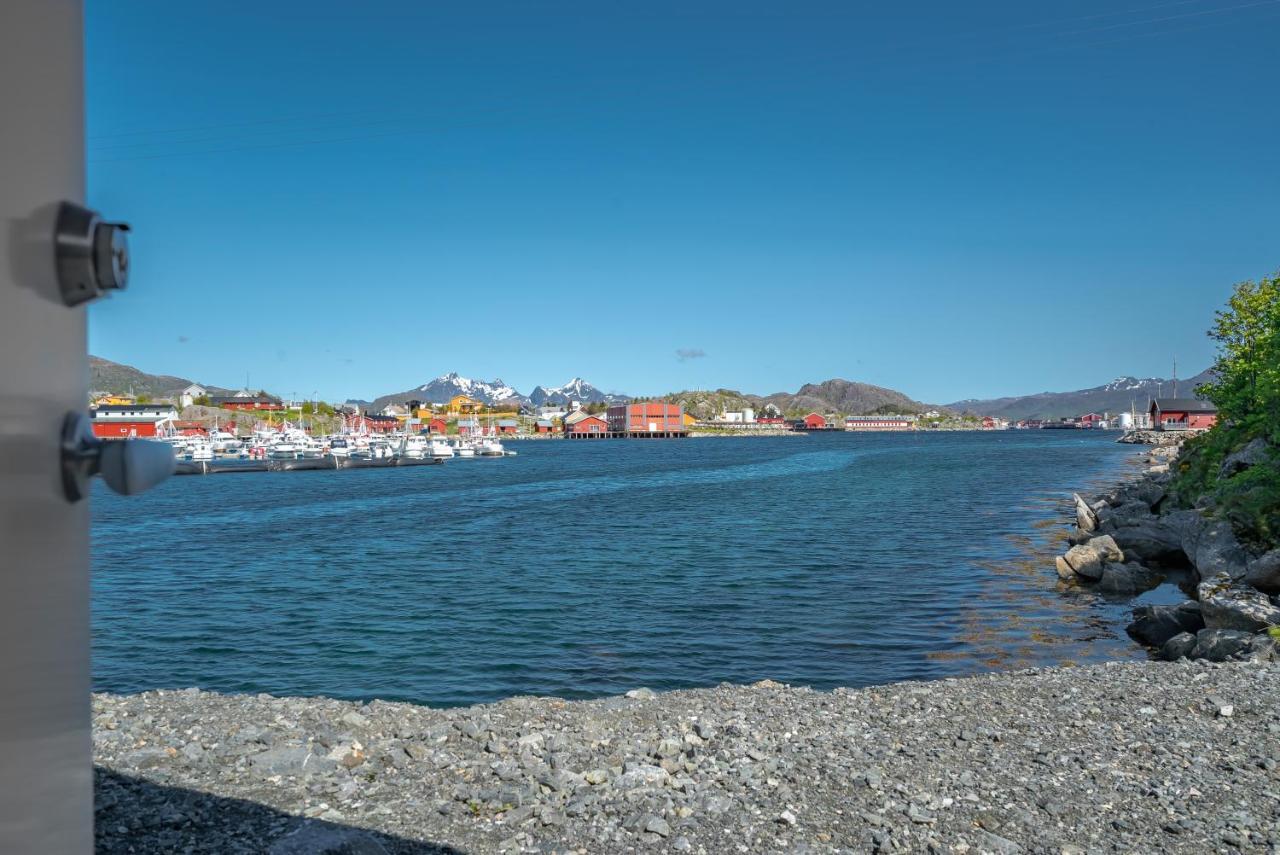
496,392
113,378
830,396
1114,397
576,389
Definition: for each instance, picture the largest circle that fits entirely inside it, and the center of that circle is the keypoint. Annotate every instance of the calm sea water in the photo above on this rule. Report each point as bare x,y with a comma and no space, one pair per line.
581,569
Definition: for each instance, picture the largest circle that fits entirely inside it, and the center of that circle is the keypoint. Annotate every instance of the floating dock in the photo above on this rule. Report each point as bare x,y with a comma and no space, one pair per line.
301,464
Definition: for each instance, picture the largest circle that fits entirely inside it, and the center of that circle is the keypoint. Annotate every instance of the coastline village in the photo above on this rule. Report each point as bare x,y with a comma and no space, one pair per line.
194,412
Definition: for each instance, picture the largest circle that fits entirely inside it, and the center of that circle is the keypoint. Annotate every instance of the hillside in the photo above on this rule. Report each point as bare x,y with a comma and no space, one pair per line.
831,396
107,377
1114,397
846,397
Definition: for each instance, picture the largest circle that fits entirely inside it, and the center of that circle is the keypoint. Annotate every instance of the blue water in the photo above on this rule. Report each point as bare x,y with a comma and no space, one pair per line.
582,569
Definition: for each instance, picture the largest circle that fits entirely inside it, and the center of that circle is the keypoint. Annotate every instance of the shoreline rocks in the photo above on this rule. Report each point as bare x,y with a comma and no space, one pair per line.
1128,541
1119,757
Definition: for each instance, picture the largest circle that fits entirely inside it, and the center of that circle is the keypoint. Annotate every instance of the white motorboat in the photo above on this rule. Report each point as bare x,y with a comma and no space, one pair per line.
490,447
463,448
415,447
198,448
440,448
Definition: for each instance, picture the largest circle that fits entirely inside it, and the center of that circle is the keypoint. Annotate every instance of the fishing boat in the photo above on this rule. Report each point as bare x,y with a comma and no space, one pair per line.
490,447
414,447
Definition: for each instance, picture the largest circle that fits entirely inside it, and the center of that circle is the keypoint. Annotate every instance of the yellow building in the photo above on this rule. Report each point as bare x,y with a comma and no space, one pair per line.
461,405
689,420
115,400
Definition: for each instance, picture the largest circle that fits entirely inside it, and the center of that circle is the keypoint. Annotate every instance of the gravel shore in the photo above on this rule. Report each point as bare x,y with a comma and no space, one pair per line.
1122,757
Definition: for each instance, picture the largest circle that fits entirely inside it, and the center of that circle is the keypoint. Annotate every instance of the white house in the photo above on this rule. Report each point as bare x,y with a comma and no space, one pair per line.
188,396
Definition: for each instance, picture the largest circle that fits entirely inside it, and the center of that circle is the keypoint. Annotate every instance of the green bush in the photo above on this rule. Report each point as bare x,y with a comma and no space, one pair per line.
1246,390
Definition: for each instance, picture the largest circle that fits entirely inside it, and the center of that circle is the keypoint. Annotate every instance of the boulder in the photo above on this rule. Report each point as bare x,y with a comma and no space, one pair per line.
1263,573
1087,559
1212,585
1221,645
1064,569
1212,548
1149,493
1130,578
1154,626
1129,513
1252,454
1240,608
1086,518
1151,541
1177,647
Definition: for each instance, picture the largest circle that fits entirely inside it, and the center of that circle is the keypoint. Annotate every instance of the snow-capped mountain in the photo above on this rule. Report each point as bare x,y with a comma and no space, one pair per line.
446,386
576,389
1119,395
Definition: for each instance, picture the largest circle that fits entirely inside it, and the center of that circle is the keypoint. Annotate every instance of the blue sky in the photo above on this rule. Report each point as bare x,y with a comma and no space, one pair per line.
955,200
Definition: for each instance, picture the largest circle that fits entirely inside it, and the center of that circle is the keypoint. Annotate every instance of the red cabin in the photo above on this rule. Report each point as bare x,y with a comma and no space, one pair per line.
1182,414
813,421
585,426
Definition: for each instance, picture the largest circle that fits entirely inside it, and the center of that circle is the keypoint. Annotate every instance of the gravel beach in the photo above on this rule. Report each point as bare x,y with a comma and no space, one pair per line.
1122,757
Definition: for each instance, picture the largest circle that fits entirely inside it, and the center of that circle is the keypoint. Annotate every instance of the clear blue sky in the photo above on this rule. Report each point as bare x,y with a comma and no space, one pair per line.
952,199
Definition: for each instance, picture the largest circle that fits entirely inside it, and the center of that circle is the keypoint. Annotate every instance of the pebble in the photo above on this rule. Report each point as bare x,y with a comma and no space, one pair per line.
1119,757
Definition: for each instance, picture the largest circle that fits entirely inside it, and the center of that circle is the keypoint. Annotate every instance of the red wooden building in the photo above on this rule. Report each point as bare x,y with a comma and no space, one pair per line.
508,426
371,424
1182,414
583,426
814,421
543,426
438,425
190,428
878,423
248,403
124,421
647,418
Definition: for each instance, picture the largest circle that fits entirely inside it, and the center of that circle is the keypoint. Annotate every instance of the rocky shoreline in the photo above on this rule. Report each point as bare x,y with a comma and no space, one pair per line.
1143,756
1132,539
1121,757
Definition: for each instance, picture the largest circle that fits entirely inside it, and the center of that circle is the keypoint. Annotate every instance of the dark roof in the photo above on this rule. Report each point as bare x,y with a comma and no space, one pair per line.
1188,405
238,399
131,408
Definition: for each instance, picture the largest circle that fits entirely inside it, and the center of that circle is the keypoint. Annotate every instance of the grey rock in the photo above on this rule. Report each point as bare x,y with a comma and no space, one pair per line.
315,838
1131,578
1086,518
1239,608
1151,541
1087,559
1178,647
1212,548
1155,625
1263,572
657,825
1221,645
290,760
1257,451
